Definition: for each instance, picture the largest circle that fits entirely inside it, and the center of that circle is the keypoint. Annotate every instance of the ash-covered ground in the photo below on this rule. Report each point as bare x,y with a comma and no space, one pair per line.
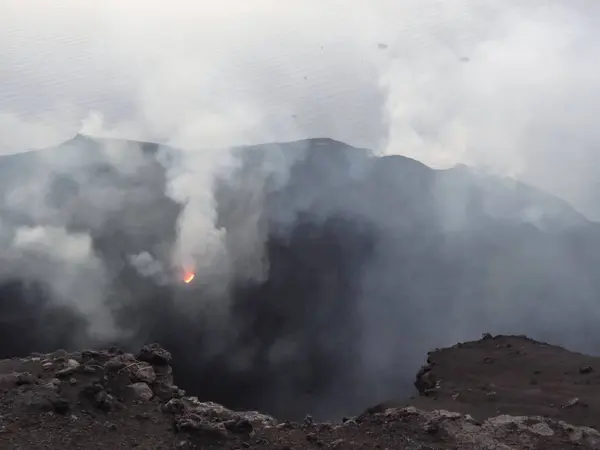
474,395
343,269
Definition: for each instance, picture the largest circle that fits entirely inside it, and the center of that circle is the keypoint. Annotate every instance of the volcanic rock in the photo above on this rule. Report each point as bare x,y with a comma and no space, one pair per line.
119,362
70,368
154,354
504,432
144,374
25,378
43,400
142,391
452,412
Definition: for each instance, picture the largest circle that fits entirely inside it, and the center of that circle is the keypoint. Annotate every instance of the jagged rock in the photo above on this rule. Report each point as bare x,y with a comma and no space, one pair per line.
242,426
105,401
215,412
503,432
88,369
59,354
197,425
425,380
313,439
144,374
101,399
213,419
92,389
154,354
24,378
574,402
44,400
119,362
164,374
66,372
218,412
285,425
174,406
53,385
90,354
142,391
70,369
338,443
167,391
138,371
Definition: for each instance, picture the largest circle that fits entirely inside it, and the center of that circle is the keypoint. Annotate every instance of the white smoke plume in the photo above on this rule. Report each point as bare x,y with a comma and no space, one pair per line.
67,262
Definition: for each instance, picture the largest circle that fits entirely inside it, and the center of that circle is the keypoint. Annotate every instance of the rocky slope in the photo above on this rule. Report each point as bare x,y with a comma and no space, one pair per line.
512,375
112,399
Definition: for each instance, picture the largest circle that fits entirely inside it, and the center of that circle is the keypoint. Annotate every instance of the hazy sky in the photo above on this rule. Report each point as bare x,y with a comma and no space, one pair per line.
504,84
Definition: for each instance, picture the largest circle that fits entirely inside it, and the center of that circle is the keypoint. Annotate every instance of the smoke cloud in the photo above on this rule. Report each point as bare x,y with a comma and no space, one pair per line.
323,272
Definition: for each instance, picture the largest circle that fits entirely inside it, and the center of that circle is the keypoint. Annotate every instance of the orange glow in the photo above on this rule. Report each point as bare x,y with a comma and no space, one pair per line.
188,277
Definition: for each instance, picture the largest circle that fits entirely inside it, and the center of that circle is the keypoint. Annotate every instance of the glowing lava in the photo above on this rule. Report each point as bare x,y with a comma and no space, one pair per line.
188,277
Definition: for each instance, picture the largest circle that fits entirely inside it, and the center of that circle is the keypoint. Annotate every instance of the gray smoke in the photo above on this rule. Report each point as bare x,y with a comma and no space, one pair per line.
346,258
